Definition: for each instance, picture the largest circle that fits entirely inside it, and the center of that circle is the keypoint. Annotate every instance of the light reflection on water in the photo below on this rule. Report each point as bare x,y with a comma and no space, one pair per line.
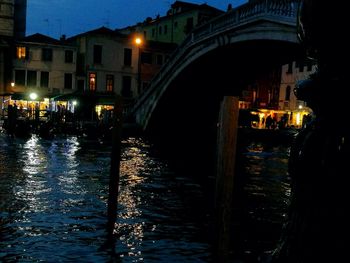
53,204
264,193
157,228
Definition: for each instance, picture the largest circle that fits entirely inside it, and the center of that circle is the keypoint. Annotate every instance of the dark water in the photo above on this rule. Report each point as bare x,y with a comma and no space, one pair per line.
261,199
53,202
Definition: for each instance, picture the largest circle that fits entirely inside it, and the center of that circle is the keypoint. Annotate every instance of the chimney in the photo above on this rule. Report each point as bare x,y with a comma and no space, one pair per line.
63,38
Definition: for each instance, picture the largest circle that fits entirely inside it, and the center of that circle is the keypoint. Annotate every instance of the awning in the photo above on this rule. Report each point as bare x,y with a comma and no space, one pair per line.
97,98
65,97
5,94
19,96
25,96
105,100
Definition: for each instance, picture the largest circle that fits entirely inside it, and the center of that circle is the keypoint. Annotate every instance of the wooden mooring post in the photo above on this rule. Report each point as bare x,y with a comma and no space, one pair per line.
115,166
226,157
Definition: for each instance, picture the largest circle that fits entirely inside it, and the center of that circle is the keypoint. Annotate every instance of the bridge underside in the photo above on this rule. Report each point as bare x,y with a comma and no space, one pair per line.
185,119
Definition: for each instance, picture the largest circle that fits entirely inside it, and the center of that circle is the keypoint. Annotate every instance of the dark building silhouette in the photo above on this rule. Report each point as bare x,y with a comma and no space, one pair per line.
12,26
20,18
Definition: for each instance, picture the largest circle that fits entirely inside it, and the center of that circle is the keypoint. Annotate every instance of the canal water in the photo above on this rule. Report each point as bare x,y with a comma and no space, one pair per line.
53,203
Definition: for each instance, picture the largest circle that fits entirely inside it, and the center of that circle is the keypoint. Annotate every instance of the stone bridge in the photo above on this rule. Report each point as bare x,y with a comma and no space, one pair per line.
263,32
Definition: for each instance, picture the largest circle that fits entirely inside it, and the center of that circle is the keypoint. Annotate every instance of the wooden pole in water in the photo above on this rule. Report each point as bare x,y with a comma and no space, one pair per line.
226,157
115,165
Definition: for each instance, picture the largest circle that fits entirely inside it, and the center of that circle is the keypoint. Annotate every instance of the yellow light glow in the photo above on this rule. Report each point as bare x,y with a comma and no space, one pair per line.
138,41
12,84
21,52
33,96
298,119
75,102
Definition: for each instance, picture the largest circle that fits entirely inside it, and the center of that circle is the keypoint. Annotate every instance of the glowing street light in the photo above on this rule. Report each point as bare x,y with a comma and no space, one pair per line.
12,84
138,42
34,112
33,96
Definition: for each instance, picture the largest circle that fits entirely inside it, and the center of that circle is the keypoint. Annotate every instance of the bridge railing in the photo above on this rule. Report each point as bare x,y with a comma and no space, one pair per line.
281,10
285,10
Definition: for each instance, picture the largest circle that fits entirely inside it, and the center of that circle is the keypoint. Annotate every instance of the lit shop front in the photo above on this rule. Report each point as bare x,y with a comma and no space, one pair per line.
29,105
26,103
271,119
86,106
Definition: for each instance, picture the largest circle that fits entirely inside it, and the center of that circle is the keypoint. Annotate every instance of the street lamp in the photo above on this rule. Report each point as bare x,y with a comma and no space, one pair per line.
138,42
74,103
34,111
33,96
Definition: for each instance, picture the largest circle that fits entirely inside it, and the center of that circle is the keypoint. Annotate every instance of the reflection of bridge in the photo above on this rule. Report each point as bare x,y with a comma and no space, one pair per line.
261,31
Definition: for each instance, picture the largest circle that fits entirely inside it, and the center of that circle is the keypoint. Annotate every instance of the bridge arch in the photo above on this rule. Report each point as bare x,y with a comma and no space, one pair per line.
186,113
268,26
181,106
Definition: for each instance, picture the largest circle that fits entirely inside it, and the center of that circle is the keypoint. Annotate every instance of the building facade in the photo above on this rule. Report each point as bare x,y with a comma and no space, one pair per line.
180,19
13,18
20,18
273,95
42,67
12,27
7,18
291,74
153,55
107,64
112,63
259,100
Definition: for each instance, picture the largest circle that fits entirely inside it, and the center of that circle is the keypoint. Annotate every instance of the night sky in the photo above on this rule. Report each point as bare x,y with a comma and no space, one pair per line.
71,17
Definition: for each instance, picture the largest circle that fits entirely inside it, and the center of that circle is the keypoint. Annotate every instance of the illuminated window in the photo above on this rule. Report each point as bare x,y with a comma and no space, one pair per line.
92,81
21,52
109,83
